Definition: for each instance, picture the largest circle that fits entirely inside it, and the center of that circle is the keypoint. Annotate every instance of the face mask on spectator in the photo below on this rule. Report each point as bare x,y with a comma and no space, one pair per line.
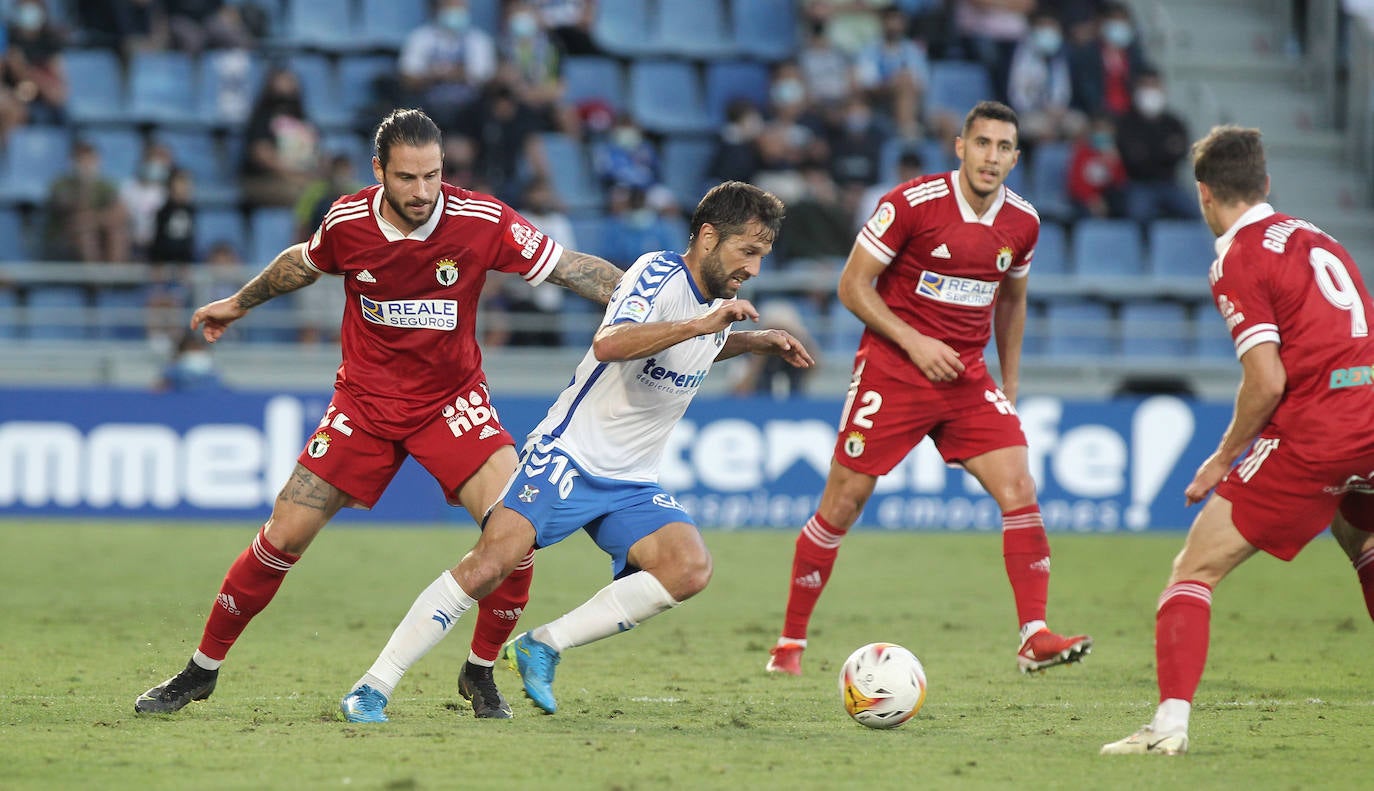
455,19
1102,141
1149,101
29,17
627,137
1118,33
523,25
1046,40
155,172
788,92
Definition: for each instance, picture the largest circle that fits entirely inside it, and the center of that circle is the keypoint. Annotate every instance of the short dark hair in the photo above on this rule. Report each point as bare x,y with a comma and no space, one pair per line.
993,111
407,128
1230,161
730,205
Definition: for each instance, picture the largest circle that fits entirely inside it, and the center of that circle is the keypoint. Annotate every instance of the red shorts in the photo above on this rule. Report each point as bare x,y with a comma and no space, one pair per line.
452,447
884,418
1281,499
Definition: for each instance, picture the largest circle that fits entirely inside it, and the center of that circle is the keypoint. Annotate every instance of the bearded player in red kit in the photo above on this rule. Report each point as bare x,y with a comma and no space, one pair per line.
414,253
939,268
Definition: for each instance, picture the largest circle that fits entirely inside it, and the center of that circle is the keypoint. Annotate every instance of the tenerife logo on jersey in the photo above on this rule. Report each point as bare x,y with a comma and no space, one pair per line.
446,272
963,291
882,219
655,375
411,314
1004,259
526,238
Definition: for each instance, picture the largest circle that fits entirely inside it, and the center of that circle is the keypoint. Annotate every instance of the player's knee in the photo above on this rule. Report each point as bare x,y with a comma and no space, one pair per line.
693,574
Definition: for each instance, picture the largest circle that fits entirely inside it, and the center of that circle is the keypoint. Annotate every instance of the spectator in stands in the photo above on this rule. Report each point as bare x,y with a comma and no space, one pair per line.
505,134
445,62
818,224
1039,86
1152,142
281,146
825,70
851,25
1096,177
174,232
337,178
34,79
855,142
191,369
1105,66
533,312
198,25
793,134
460,164
990,30
736,157
757,376
530,63
625,157
144,194
895,72
910,165
633,227
85,220
570,22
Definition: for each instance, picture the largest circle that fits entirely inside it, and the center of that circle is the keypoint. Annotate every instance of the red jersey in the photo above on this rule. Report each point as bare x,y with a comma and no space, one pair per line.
409,323
1280,279
944,266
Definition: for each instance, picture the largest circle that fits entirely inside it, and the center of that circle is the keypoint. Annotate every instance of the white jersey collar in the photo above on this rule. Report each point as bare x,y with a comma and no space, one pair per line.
967,212
1252,215
393,234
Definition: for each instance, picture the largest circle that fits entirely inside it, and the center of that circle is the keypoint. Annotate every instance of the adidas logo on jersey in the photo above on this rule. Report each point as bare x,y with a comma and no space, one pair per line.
487,431
366,277
940,252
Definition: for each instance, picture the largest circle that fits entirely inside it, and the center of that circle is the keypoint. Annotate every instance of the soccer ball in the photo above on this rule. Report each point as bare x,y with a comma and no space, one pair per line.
882,685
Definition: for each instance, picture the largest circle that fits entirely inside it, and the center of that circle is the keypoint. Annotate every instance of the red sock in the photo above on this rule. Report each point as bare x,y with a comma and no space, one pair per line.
1182,626
1364,567
817,545
249,585
498,613
1026,553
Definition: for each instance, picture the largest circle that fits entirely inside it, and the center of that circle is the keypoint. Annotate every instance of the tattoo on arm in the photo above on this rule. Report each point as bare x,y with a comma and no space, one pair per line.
307,489
287,272
587,275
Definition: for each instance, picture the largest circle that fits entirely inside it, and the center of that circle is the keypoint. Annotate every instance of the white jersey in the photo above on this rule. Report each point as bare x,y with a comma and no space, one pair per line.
614,419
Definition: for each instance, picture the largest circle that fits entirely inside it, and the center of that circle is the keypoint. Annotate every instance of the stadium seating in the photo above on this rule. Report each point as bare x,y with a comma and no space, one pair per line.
9,313
589,78
57,313
622,27
220,225
486,14
698,29
321,24
589,232
1155,329
665,97
1107,248
766,29
33,157
1076,329
1212,341
120,148
845,331
229,81
684,165
196,151
955,86
1048,186
273,230
728,80
319,89
120,313
356,81
357,148
13,245
1180,248
571,173
577,322
162,88
386,23
95,86
1051,252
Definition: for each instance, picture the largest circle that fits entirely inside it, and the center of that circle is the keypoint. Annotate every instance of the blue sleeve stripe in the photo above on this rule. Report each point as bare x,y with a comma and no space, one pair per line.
572,408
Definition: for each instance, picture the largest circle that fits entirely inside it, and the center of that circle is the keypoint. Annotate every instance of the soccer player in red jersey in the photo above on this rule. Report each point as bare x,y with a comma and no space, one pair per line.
940,267
414,253
1299,314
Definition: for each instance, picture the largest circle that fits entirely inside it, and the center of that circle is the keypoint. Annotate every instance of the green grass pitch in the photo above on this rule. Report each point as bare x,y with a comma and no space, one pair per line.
91,614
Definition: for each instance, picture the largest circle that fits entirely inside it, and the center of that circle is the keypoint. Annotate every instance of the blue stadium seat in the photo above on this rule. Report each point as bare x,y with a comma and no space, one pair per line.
486,14
1211,339
9,313
587,78
767,28
13,244
229,82
162,87
120,149
1048,187
728,80
273,230
665,97
355,147
386,23
955,86
684,164
622,27
1107,248
1180,248
319,89
96,92
57,312
34,157
697,29
357,76
1078,329
845,331
120,313
222,225
321,24
577,322
589,232
1051,252
195,150
272,321
571,173
1155,329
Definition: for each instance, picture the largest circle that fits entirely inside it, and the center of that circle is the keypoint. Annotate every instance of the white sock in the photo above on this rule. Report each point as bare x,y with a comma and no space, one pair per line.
1029,628
1172,715
429,619
204,662
791,641
477,660
618,607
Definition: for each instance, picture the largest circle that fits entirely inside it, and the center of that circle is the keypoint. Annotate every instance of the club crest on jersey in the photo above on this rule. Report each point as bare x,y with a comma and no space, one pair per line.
527,494
882,219
854,444
1004,259
319,445
446,272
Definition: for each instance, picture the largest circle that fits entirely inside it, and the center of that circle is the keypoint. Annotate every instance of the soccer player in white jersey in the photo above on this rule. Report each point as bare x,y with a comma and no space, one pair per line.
593,462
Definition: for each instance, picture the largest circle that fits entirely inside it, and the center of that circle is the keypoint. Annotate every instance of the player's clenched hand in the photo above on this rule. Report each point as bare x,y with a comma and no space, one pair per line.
217,316
1205,479
726,313
935,359
782,343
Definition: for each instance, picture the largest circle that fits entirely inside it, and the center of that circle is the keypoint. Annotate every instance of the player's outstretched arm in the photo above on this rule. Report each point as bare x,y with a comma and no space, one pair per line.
586,275
287,272
634,341
779,343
